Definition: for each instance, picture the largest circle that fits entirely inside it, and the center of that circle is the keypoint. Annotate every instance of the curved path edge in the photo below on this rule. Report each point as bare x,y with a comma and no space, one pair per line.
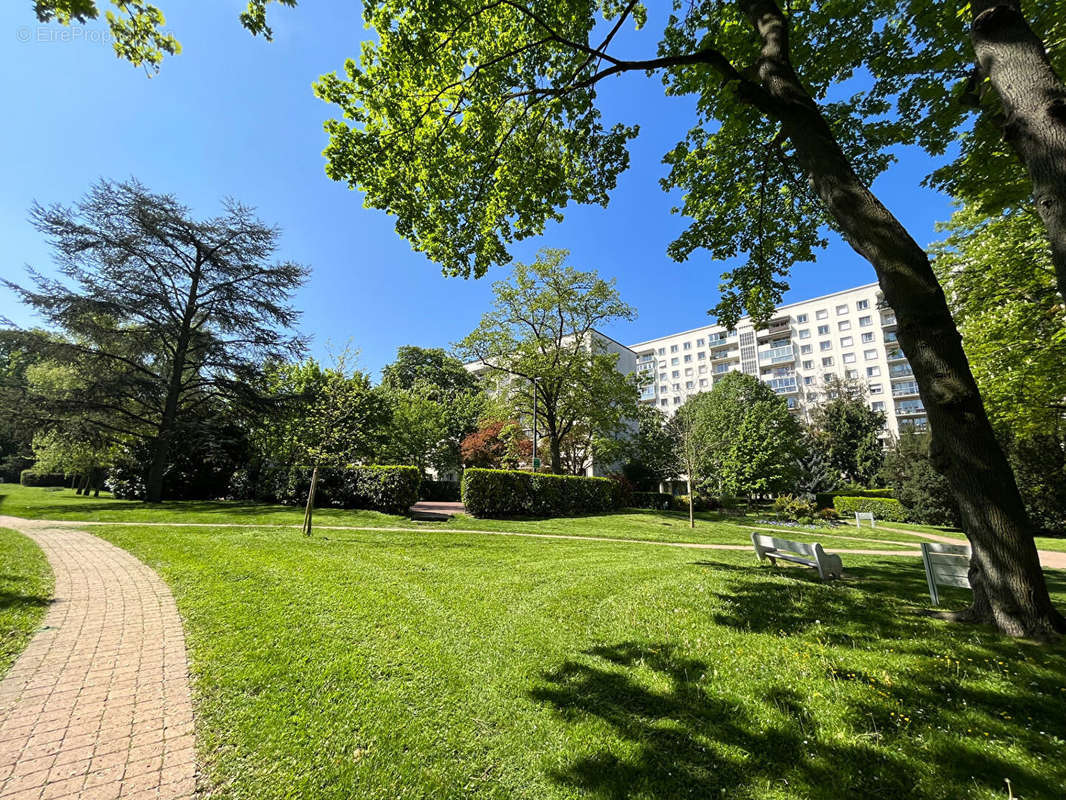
97,706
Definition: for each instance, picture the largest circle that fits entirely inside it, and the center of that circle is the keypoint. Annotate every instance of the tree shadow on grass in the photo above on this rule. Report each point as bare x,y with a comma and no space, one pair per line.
938,726
15,600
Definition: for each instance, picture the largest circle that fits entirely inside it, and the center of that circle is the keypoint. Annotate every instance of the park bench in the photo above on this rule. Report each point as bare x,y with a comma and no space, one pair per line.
945,565
861,515
809,555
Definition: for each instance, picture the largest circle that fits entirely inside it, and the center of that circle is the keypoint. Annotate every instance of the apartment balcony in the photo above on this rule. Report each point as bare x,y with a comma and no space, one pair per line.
910,409
783,385
724,354
888,320
775,329
900,371
890,337
895,354
904,389
786,354
716,338
918,424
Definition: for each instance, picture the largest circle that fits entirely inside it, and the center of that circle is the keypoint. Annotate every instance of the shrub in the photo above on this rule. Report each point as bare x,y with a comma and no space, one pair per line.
884,508
509,493
439,491
31,478
658,500
703,503
828,514
796,509
825,499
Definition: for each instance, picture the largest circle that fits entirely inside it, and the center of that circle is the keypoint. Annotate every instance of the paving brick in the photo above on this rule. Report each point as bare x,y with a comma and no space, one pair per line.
101,693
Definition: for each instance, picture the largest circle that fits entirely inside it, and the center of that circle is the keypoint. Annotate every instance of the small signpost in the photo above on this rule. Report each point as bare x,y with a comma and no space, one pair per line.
536,464
945,565
861,515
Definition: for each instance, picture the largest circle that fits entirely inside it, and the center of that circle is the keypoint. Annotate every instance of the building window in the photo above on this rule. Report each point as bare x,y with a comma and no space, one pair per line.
808,380
703,369
808,365
846,341
875,388
674,361
827,361
690,385
821,314
699,343
827,345
828,377
862,305
688,371
823,330
873,372
805,333
662,389
673,348
805,349
842,310
703,382
869,355
867,338
677,387
664,402
675,374
852,374
801,318
844,325
688,345
677,401
700,356
688,358
865,322
878,405
849,358
662,351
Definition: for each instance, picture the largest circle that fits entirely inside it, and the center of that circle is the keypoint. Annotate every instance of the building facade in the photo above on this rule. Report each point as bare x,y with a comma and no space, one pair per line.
849,334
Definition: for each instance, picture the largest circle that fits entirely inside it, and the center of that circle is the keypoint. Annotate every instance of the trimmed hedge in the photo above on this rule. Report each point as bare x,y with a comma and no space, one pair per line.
656,500
825,499
440,491
884,508
31,478
495,493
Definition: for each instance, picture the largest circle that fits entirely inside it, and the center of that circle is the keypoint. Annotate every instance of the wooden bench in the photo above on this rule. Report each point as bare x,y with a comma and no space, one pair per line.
810,555
945,565
861,515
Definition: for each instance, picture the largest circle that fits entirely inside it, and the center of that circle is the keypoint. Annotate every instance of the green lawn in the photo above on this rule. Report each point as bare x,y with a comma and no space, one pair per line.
25,590
386,665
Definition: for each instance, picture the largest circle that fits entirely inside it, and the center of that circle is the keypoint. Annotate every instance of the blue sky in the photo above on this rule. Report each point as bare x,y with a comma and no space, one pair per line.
235,116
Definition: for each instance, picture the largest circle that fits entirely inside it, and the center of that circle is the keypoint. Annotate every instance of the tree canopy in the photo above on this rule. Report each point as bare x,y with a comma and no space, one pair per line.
849,431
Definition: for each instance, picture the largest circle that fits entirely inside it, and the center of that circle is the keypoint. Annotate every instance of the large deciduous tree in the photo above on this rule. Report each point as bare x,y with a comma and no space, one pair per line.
541,338
476,125
161,312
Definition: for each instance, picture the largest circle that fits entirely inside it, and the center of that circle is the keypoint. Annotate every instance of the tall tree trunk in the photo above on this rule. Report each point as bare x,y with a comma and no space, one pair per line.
1009,590
1014,60
691,510
153,489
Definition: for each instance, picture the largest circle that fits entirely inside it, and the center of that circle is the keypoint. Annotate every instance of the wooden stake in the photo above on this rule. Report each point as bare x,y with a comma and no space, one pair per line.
310,501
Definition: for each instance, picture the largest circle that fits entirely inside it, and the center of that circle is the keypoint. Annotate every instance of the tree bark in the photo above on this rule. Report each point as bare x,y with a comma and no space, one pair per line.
1009,590
1014,60
691,514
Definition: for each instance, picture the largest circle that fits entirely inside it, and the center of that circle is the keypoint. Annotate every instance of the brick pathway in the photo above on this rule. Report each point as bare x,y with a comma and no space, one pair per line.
97,706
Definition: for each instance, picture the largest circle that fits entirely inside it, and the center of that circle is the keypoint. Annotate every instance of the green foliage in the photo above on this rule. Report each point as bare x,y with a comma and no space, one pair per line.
31,477
917,484
509,493
439,491
847,430
392,490
701,502
648,454
428,367
883,508
1039,464
825,499
796,509
750,439
541,337
655,500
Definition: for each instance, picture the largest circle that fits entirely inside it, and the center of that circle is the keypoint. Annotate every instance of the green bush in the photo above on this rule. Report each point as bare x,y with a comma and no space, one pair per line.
794,509
828,514
657,500
439,491
884,508
703,503
392,489
497,493
825,499
31,478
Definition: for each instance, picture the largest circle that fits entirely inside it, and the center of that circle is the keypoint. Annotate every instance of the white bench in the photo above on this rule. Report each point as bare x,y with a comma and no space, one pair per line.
861,515
810,555
945,565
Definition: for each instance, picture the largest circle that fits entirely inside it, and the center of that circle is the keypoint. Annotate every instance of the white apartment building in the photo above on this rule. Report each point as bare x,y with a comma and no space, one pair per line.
848,334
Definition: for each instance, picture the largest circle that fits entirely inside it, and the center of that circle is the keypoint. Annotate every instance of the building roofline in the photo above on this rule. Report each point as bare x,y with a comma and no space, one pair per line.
646,342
